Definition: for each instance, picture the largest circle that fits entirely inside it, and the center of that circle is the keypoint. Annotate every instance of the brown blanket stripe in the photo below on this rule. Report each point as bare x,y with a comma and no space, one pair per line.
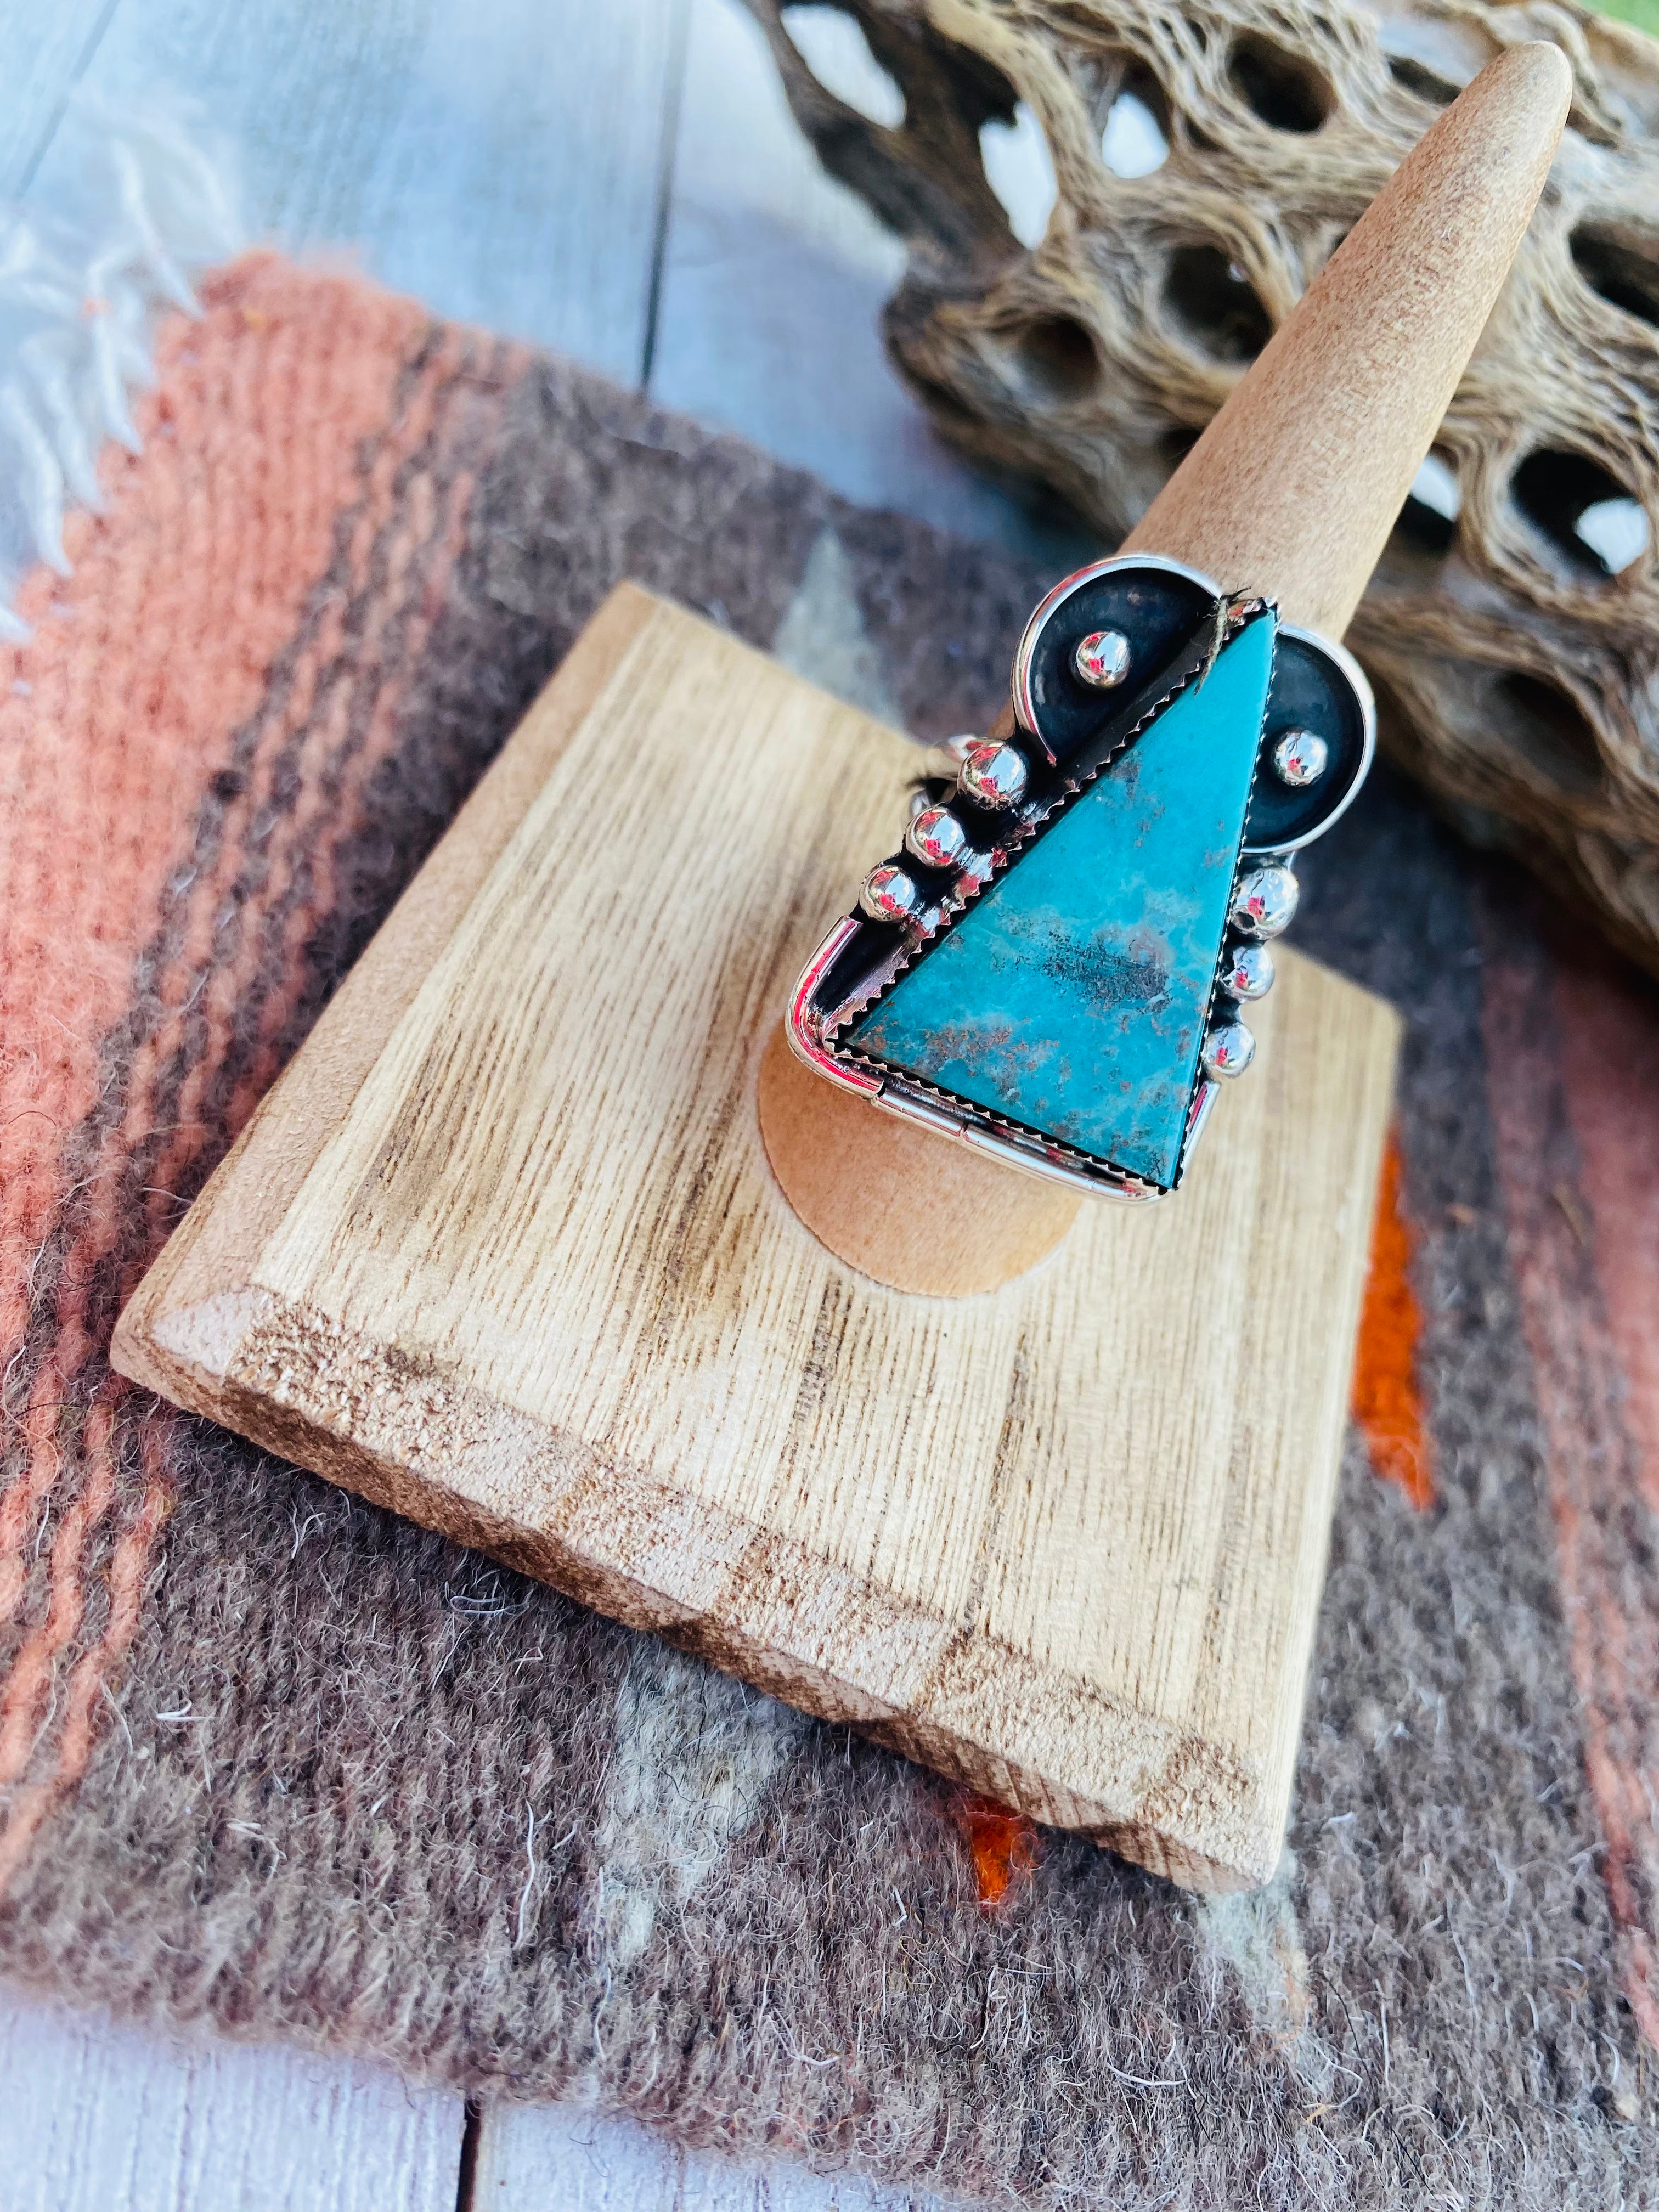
1574,1124
271,1759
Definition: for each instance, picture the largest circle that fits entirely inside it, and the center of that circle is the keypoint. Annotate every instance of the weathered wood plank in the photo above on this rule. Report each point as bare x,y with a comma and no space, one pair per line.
41,51
502,1251
772,282
97,2118
546,2158
503,163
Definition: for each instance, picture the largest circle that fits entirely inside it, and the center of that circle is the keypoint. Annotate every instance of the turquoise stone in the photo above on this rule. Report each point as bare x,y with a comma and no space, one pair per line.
1071,995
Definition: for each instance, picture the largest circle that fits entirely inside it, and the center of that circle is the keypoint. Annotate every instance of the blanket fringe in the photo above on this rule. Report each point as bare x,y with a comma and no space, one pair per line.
136,199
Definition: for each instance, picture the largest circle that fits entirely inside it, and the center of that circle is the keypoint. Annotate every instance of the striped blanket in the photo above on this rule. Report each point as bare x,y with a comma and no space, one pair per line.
272,1761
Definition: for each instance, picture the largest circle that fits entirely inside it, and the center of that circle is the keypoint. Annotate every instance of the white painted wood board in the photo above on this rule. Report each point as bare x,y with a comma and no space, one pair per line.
101,2117
774,278
535,168
503,163
43,43
98,2118
556,2158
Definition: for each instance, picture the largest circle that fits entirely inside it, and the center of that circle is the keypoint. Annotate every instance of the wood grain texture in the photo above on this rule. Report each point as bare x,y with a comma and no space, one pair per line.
507,166
98,2118
502,1251
42,52
546,2158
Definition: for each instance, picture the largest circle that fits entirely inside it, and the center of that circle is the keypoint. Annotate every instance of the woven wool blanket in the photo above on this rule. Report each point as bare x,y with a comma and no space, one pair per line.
274,1761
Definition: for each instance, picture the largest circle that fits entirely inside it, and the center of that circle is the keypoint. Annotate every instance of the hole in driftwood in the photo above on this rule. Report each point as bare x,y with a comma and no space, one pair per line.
1287,93
1622,264
833,45
1584,514
1616,531
1056,358
1416,76
1215,303
1551,731
1428,520
1020,170
1134,140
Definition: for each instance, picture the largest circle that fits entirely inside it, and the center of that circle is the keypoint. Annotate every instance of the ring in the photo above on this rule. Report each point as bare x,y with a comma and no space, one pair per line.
1052,965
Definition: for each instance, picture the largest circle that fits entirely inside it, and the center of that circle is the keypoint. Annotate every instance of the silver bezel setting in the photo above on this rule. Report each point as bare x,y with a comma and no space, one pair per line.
1024,709
1348,666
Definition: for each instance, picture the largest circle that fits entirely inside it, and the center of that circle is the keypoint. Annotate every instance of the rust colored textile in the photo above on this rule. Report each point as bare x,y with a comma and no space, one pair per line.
274,1761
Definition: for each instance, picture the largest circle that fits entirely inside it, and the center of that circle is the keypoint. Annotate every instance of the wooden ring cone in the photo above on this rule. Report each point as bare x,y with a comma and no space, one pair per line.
1291,492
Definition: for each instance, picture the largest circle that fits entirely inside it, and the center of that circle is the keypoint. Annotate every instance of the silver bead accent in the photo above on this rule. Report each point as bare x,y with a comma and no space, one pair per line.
889,895
936,837
993,775
1299,758
1247,971
1228,1049
1264,902
1102,659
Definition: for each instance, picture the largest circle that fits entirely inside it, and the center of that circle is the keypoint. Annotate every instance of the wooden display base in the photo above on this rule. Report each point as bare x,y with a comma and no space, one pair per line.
502,1250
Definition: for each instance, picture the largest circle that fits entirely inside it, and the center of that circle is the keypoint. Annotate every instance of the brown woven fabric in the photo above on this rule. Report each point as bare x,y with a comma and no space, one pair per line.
276,1761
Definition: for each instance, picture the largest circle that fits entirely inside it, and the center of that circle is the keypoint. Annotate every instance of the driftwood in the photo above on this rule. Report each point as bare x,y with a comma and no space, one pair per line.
1514,642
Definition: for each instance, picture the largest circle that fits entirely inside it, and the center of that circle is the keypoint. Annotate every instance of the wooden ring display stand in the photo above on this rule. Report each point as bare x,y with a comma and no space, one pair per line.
502,1250
1291,492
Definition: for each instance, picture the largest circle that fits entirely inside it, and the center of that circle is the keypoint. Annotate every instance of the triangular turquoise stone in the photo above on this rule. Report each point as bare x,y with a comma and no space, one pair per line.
1071,995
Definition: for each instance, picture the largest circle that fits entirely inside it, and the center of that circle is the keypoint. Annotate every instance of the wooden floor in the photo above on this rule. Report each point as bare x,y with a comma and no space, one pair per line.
621,179
100,2119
